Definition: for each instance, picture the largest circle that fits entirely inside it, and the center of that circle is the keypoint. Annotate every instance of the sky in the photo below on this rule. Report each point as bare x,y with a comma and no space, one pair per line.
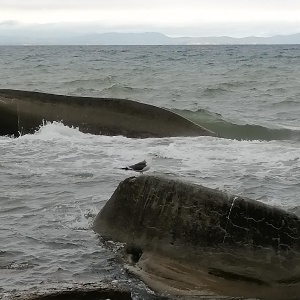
237,18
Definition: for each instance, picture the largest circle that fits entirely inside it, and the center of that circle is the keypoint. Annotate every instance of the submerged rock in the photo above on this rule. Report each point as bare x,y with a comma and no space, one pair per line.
87,291
24,112
191,239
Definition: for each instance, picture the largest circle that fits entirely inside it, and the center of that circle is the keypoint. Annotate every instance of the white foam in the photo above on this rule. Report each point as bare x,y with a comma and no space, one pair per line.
54,130
258,169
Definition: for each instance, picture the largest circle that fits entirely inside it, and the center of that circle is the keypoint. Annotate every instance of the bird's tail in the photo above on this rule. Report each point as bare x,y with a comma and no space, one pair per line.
125,168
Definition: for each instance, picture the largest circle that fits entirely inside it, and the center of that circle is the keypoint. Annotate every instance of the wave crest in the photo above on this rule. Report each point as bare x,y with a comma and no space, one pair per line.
227,129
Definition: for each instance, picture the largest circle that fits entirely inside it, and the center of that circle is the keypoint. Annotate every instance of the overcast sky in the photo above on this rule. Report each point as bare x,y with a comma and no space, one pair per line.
236,18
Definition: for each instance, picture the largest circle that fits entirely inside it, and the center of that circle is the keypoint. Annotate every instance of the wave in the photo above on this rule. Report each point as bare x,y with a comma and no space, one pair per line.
228,129
224,87
91,81
289,102
105,116
120,88
213,91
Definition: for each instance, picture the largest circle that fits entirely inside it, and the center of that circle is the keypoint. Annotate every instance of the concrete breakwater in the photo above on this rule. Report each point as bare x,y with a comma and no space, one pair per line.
188,239
24,111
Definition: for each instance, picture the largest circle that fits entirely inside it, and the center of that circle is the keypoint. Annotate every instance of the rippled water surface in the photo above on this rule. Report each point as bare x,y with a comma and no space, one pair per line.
54,182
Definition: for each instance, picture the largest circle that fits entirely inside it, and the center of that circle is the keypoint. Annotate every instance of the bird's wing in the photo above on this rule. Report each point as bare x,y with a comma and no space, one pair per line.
139,166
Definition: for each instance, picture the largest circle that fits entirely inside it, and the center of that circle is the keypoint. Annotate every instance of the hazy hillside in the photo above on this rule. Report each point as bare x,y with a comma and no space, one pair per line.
148,38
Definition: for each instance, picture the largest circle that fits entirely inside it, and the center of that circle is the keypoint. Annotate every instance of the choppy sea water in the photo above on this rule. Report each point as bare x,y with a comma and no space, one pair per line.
54,182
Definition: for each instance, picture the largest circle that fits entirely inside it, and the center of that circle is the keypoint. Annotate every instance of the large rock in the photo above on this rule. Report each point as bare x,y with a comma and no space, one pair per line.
213,241
24,112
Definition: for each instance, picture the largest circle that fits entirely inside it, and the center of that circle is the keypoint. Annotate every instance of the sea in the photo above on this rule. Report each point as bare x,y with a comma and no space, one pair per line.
54,182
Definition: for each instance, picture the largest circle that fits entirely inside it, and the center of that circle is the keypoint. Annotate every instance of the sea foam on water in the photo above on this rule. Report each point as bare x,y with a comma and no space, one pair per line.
55,180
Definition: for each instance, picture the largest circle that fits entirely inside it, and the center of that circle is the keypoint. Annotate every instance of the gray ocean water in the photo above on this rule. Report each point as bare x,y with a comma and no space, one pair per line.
54,182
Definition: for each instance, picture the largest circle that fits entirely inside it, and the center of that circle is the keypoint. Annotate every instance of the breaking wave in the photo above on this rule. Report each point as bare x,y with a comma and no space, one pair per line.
228,129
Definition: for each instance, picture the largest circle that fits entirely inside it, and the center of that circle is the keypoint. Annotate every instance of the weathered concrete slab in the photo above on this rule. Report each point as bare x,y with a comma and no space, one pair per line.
24,111
232,245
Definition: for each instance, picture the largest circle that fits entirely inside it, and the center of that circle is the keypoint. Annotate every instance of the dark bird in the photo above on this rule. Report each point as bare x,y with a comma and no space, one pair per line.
139,167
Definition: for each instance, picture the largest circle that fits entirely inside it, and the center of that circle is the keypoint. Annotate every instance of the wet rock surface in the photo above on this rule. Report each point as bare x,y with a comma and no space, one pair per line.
75,292
192,240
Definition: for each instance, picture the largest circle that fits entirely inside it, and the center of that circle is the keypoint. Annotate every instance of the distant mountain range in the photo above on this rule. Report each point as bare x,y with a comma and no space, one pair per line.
148,38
